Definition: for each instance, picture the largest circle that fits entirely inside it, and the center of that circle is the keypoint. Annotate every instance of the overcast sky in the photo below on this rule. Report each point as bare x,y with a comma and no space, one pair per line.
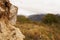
28,7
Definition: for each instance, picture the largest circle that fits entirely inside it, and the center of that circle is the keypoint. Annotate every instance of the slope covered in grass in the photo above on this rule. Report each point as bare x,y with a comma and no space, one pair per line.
39,31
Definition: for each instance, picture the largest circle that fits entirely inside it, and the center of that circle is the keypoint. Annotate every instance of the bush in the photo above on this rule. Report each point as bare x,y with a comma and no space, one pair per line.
50,18
22,19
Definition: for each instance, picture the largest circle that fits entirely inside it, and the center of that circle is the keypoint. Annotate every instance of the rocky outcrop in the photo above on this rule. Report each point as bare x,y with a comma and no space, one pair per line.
8,17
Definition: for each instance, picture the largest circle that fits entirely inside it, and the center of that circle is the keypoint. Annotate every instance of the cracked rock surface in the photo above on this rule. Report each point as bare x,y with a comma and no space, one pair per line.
8,15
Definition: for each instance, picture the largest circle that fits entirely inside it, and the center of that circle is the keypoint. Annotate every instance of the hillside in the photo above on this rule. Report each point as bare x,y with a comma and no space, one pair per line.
36,17
39,31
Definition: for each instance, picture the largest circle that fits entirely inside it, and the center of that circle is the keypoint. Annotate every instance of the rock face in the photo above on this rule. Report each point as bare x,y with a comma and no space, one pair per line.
7,21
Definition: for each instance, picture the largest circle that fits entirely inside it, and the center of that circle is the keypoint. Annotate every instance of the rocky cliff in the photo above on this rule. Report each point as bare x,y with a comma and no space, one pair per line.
7,21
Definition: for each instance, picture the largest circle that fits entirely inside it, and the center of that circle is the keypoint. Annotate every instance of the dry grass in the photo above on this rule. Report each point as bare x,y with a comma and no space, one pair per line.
39,32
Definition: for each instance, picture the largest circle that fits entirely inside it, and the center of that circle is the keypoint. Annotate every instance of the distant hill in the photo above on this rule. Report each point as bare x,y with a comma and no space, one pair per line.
37,17
23,19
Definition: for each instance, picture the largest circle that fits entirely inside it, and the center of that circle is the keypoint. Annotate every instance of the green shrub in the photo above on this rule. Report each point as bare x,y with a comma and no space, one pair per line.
50,18
22,19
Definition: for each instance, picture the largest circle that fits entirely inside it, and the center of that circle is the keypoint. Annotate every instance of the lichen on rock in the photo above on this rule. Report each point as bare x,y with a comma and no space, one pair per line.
8,15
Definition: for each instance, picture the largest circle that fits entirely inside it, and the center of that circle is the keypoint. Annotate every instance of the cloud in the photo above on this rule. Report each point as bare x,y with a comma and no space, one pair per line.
36,6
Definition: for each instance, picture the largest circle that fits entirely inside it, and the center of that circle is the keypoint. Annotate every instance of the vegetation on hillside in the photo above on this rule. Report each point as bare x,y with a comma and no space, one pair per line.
22,19
41,31
50,19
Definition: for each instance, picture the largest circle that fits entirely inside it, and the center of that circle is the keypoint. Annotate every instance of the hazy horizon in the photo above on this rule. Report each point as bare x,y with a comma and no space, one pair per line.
29,7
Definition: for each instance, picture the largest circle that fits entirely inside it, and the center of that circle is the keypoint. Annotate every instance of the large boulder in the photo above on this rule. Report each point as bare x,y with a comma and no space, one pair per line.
8,15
